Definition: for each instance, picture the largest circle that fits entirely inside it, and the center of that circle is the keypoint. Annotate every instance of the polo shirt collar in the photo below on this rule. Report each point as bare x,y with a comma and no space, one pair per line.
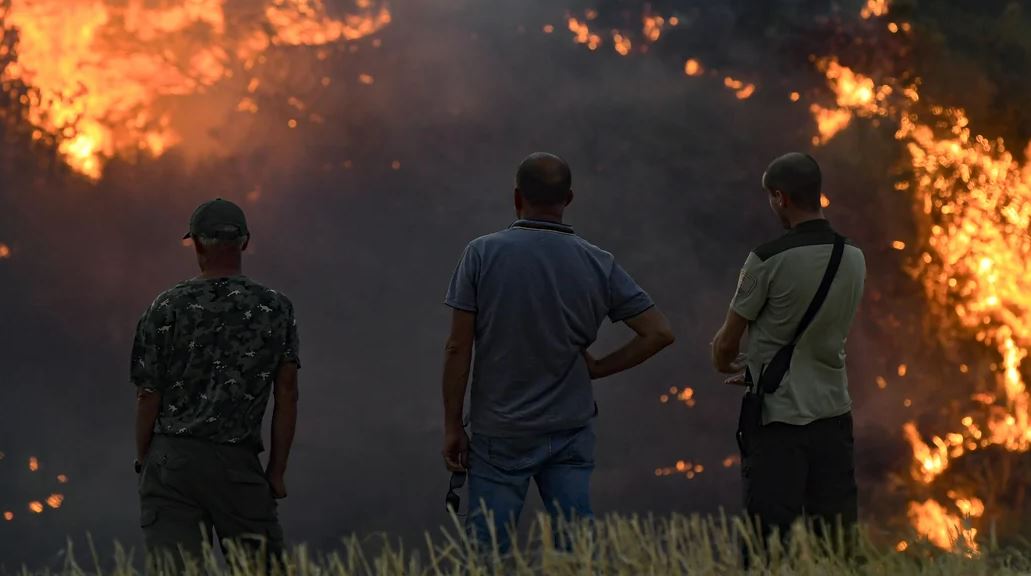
528,224
812,225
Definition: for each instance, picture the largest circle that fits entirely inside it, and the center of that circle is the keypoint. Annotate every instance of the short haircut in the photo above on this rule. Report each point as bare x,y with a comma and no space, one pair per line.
224,236
544,179
798,176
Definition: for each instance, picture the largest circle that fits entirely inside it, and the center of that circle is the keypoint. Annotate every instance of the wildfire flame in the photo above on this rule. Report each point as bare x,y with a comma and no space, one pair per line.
973,198
941,528
97,74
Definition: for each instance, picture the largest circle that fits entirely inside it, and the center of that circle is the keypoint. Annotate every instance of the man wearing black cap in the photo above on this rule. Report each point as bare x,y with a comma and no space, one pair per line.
206,356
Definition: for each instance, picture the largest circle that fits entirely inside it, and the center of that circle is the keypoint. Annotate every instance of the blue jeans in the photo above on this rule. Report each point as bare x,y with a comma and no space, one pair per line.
500,469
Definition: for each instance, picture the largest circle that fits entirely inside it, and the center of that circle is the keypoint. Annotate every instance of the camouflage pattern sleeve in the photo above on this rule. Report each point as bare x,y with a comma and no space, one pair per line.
291,343
149,346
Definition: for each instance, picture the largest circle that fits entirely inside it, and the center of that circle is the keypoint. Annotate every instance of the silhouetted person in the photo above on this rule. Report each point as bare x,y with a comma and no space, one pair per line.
799,461
206,356
532,298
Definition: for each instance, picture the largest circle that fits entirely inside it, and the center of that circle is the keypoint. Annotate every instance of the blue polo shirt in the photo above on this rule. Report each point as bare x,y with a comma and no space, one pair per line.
540,293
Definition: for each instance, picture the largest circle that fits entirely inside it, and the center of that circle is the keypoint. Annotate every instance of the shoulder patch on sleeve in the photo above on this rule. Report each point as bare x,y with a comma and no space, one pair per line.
746,283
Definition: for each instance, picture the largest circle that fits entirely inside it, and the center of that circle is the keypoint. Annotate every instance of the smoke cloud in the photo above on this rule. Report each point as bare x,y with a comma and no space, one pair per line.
361,218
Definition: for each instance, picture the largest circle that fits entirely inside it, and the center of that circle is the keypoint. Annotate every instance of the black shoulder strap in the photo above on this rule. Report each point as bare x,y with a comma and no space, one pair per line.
825,287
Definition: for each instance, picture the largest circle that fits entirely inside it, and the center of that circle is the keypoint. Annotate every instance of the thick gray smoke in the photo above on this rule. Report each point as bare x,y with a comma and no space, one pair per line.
666,172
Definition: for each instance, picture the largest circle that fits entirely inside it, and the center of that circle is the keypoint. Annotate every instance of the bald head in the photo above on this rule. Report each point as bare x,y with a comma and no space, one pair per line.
797,176
544,180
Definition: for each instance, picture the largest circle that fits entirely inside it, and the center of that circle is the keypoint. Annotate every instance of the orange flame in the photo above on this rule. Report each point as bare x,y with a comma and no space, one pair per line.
973,198
100,72
874,9
36,507
941,528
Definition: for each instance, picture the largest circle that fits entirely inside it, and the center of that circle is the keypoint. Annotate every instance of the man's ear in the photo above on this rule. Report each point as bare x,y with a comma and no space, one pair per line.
246,243
517,200
782,198
569,197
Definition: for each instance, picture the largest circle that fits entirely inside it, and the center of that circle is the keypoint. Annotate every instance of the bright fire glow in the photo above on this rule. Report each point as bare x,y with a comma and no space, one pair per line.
941,528
973,206
100,72
874,9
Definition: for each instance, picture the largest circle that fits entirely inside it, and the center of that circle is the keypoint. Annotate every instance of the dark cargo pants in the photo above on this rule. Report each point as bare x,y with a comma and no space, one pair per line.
191,489
795,472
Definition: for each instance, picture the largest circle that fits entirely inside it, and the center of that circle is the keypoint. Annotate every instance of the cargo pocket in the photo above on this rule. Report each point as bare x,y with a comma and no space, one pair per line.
251,495
148,516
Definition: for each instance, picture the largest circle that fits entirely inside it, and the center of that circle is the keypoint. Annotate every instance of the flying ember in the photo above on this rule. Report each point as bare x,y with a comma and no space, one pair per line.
107,89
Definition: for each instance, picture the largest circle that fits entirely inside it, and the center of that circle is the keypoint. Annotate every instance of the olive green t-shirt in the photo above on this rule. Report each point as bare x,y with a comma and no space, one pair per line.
777,283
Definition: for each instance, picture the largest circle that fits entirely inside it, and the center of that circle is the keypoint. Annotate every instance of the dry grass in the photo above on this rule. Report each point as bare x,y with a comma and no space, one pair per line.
614,545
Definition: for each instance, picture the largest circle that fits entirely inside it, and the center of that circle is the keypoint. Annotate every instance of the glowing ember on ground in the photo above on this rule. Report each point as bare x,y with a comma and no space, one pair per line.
742,90
582,34
104,89
652,28
693,67
687,468
622,44
55,501
62,479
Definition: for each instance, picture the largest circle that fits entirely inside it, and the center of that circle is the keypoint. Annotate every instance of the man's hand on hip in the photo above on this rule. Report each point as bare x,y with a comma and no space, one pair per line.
456,449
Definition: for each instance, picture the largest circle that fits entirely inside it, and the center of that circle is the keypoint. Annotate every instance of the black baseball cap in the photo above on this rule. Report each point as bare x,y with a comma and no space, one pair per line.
215,218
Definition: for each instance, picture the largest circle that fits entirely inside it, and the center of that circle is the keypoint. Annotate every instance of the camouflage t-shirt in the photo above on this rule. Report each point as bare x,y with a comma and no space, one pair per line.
212,348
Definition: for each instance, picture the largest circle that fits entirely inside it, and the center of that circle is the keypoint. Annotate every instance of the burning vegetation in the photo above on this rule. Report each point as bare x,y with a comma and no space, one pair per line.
96,79
100,78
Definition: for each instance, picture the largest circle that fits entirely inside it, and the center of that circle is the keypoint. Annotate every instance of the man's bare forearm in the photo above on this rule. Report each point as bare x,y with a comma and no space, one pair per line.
633,353
284,419
457,360
284,426
148,406
724,351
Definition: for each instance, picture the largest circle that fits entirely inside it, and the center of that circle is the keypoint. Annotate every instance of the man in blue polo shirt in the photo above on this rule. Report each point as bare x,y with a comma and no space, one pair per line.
532,298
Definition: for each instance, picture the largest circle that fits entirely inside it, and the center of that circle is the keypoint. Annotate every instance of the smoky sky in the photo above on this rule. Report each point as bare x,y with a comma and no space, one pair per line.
666,172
